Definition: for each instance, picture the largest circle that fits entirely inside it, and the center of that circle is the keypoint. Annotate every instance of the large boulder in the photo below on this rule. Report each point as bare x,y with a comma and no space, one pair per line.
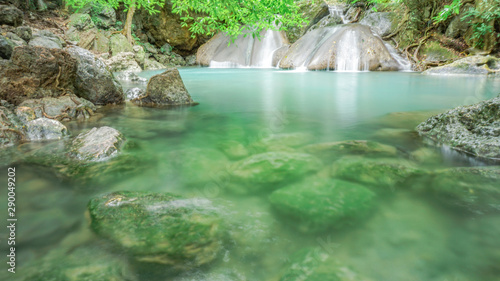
471,129
166,88
10,15
118,44
16,40
5,48
313,11
80,21
166,27
473,65
159,228
36,72
124,61
348,47
474,189
384,172
94,81
47,39
24,32
270,170
97,144
104,17
433,51
383,23
64,108
318,204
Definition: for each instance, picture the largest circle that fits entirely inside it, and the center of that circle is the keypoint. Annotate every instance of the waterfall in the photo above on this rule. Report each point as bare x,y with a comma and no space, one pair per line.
338,12
247,51
348,57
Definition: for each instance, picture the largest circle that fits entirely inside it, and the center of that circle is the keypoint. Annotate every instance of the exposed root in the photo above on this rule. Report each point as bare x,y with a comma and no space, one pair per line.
21,135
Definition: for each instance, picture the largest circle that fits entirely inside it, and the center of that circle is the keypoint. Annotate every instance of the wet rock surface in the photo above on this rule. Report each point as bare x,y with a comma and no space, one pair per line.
159,228
45,129
97,144
94,81
471,129
164,89
64,108
473,65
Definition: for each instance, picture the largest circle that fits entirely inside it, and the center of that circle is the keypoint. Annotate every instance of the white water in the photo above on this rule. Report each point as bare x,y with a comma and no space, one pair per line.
405,63
338,11
249,52
348,56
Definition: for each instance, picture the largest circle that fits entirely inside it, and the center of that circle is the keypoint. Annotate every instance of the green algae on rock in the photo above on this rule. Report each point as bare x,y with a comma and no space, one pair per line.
473,129
315,264
472,188
331,150
89,263
271,169
159,228
319,204
384,172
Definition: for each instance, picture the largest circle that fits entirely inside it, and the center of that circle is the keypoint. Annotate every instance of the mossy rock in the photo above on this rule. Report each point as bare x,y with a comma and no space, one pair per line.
315,264
319,204
332,150
85,263
384,172
475,189
433,51
159,228
268,171
80,21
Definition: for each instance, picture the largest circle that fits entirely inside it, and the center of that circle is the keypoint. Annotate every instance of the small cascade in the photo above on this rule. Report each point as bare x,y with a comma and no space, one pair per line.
348,57
338,12
405,63
245,51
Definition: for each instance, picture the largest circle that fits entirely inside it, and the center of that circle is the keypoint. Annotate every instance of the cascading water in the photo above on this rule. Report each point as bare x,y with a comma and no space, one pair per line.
338,12
348,57
247,51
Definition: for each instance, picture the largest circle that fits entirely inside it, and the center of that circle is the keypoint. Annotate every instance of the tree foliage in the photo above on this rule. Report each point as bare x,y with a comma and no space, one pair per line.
237,16
149,5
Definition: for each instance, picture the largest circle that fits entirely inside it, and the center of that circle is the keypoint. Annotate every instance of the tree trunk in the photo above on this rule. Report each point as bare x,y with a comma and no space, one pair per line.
127,29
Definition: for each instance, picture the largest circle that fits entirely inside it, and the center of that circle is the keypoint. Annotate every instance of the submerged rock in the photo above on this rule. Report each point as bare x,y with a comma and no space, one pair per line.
45,129
319,204
267,171
166,88
332,150
94,82
97,144
36,72
472,188
473,65
233,150
85,263
347,47
315,264
196,166
473,129
159,228
384,172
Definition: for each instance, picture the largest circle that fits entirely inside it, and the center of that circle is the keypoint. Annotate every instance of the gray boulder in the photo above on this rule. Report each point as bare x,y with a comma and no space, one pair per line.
80,21
94,81
332,48
24,32
104,18
97,144
166,88
16,40
473,129
47,39
473,65
124,61
130,77
10,15
45,129
119,44
5,48
65,108
381,23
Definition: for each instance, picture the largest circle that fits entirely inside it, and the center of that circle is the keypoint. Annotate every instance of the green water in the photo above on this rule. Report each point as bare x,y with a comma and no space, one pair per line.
406,237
